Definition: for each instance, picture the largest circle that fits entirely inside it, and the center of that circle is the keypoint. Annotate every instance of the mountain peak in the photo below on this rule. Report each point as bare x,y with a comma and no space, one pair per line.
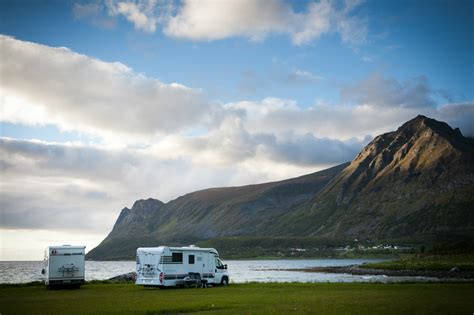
422,126
422,123
142,204
420,146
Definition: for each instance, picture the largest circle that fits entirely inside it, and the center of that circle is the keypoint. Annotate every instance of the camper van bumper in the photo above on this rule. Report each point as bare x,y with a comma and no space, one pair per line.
64,282
148,282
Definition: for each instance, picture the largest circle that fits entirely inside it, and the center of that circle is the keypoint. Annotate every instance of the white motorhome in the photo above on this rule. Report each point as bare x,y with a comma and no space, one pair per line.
171,266
64,266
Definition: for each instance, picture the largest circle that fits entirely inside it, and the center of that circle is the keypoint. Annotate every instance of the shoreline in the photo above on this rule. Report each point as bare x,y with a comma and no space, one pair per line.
356,270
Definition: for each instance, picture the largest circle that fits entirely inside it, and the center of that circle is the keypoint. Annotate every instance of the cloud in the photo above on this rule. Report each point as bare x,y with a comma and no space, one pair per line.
300,76
41,84
94,13
207,20
44,184
233,144
87,10
114,103
144,15
345,122
388,92
211,20
459,115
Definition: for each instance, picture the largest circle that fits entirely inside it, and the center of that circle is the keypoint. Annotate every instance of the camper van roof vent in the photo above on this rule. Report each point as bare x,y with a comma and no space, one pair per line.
192,245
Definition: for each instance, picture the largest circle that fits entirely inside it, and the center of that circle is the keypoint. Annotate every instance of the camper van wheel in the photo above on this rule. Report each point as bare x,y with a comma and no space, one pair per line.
225,281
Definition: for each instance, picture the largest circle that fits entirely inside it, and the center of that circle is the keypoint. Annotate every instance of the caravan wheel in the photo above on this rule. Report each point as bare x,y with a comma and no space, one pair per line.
225,281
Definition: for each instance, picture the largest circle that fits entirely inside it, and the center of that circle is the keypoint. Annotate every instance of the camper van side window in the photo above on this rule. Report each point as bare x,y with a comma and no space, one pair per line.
191,259
177,257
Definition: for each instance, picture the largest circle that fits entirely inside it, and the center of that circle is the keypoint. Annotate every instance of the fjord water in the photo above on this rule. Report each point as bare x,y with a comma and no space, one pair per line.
241,271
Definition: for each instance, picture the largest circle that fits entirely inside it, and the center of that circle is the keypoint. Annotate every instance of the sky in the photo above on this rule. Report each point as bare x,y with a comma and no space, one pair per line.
106,102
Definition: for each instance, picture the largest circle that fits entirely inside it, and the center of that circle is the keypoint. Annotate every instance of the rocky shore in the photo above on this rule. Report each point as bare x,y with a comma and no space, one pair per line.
127,277
454,273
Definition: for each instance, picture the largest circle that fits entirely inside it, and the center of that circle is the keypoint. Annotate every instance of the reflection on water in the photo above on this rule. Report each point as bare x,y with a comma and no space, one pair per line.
240,271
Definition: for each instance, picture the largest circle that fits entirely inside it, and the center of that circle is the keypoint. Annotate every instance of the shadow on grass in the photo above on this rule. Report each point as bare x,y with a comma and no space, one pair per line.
187,310
17,285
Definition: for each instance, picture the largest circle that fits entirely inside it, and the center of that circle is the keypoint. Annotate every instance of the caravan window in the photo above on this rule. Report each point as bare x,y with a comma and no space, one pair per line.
191,259
177,257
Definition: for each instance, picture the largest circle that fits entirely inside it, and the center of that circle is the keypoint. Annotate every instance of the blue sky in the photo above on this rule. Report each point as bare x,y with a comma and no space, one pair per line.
160,98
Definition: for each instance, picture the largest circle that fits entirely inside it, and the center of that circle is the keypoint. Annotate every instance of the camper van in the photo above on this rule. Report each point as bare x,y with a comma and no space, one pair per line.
64,266
172,266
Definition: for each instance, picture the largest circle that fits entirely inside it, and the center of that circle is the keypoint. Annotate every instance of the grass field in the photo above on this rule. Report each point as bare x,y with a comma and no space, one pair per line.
423,263
353,298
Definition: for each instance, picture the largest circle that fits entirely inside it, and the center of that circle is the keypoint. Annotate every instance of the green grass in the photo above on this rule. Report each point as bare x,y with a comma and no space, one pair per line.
266,298
424,263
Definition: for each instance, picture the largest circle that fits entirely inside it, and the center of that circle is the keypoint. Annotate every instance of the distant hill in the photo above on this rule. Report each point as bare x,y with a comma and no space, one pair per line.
415,184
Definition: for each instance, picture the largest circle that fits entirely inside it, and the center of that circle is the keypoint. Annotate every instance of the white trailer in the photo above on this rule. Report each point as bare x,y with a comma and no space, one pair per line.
171,266
64,266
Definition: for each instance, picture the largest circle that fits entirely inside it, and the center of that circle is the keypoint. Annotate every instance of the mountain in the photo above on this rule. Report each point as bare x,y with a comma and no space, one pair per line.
209,213
416,183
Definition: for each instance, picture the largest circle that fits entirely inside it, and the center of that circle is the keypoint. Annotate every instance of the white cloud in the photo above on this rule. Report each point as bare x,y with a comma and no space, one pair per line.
93,13
112,102
459,115
314,23
380,91
300,75
45,184
345,122
206,20
144,14
55,85
136,15
210,20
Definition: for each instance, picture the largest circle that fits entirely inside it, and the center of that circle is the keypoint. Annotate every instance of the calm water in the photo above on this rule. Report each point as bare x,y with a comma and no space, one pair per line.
241,271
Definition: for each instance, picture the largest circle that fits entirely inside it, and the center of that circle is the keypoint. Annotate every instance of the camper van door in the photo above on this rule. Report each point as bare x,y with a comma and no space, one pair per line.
220,270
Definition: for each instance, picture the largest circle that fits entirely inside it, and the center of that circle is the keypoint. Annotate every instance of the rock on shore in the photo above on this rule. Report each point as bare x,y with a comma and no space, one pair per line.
126,277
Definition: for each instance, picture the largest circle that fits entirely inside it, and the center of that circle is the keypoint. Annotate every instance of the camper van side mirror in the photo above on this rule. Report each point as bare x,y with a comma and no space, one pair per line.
43,271
225,266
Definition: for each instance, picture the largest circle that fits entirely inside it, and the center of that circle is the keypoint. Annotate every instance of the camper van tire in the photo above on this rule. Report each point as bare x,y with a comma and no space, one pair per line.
63,286
225,281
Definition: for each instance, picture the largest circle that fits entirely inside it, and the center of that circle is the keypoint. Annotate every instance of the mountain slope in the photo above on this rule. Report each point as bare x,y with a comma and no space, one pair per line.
416,183
209,213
